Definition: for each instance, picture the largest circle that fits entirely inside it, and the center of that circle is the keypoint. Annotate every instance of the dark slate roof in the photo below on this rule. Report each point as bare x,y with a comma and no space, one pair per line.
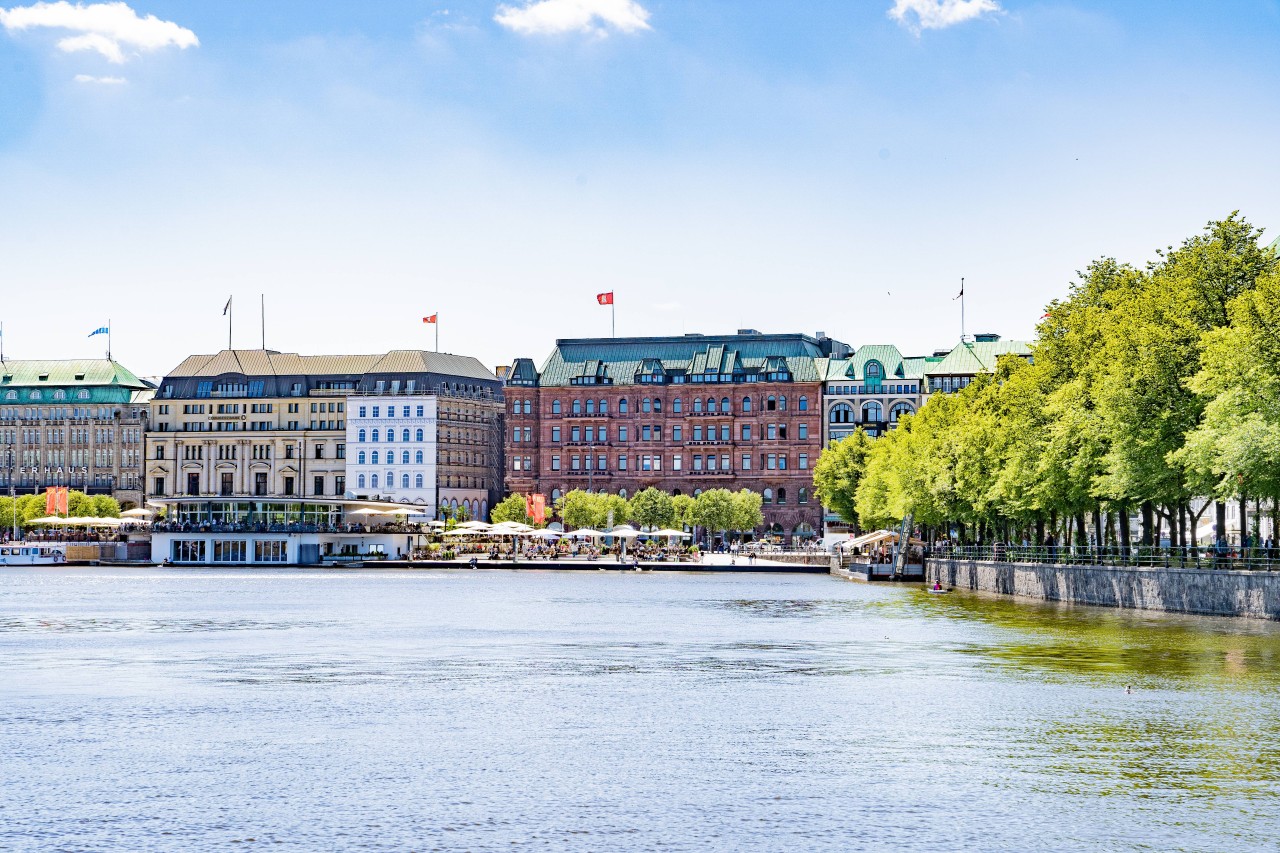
622,359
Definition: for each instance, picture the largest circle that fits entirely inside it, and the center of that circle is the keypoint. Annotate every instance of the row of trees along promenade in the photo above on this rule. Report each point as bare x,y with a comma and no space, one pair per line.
715,510
1149,388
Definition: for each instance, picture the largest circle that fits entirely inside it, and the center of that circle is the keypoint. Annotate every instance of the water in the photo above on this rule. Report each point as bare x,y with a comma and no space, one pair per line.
383,710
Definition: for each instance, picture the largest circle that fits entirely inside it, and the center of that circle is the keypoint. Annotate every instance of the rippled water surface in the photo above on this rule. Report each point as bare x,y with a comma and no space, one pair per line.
382,710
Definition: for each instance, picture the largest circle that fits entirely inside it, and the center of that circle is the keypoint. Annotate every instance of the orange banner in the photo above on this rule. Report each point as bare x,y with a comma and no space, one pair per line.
56,500
535,506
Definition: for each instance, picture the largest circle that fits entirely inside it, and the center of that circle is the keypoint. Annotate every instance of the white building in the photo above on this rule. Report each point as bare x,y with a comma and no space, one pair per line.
392,443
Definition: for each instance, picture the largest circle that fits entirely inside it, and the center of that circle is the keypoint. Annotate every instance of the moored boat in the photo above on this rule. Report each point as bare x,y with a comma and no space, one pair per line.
32,554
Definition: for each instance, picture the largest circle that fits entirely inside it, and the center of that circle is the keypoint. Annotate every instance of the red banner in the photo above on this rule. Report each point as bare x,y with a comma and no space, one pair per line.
430,319
605,298
535,506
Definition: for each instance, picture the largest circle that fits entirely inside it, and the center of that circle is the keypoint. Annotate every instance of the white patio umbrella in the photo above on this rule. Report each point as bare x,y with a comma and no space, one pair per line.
465,531
587,533
140,512
509,527
671,534
404,510
474,525
365,510
48,519
547,534
623,532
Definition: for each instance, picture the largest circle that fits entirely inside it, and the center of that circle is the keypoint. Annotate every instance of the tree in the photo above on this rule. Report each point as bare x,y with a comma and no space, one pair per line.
652,508
747,513
714,510
105,506
838,471
579,509
511,508
682,507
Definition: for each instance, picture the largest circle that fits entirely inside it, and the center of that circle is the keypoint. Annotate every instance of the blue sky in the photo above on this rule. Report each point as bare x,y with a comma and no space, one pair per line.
781,166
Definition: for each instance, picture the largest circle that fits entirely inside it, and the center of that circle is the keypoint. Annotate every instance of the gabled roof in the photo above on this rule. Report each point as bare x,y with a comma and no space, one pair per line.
895,366
71,373
973,357
272,363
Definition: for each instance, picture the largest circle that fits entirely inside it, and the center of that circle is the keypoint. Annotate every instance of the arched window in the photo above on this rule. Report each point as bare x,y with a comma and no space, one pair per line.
404,481
417,481
375,435
724,405
391,479
841,413
417,436
391,436
417,458
375,457
872,411
898,410
697,404
373,480
591,407
675,492
767,496
782,496
622,493
555,495
782,403
804,404
771,404
528,407
657,405
404,435
697,492
555,407
361,436
360,481
677,405
711,404
404,457
577,407
646,405
804,495
746,404
622,406
873,371
604,407
360,457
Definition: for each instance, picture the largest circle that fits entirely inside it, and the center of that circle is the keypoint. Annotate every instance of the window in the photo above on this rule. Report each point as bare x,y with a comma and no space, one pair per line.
404,435
361,436
872,411
782,496
841,413
391,436
745,432
575,463
418,435
746,462
622,406
319,451
646,433
746,404
575,434
804,404
360,482
782,403
677,406
646,405
319,484
622,433
555,434
697,433
421,410
375,435
622,462
676,462
590,434
724,432
771,403
515,433
804,431
697,404
767,496
375,457
417,481
157,486
604,407
782,461
417,457
711,462
676,432
604,433
404,457
373,480
577,407
360,457
404,481
528,408
657,405
771,461
771,432
555,463
591,407
711,404
555,407
804,495
697,462
288,485
898,410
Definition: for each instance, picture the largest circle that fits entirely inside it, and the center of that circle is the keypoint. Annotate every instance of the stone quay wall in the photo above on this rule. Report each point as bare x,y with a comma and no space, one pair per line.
1250,595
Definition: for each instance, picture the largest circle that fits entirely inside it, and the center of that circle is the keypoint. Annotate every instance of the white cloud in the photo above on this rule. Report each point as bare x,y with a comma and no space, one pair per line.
107,28
104,81
939,14
595,17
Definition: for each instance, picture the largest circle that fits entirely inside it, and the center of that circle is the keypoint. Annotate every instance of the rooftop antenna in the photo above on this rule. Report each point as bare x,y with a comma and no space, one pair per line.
961,298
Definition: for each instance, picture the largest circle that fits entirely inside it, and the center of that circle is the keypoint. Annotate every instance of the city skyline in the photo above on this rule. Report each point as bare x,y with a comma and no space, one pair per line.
717,166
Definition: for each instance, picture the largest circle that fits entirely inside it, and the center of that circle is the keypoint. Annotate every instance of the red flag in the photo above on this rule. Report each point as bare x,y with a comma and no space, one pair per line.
535,506
605,298
430,319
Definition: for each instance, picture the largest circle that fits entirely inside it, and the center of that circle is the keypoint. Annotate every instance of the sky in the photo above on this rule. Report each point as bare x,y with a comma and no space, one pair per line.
717,164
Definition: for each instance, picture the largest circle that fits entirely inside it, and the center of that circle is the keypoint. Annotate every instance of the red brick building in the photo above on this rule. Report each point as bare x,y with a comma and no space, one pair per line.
684,414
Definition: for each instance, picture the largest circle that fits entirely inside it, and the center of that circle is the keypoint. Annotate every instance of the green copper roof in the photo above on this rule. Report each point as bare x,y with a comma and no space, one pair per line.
854,367
971,358
75,373
621,359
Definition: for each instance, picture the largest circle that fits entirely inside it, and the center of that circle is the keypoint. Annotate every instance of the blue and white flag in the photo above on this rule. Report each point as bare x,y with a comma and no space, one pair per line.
101,330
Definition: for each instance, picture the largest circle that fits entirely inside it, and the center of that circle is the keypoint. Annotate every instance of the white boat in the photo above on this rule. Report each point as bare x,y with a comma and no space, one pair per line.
31,554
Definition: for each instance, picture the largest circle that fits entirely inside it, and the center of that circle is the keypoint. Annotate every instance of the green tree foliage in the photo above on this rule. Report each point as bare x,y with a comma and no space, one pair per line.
714,510
596,510
652,509
1147,386
511,508
747,510
838,471
682,507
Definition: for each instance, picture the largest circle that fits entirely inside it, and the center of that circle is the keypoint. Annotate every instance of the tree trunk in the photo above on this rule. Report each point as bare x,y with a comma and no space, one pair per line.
1125,533
1039,531
1220,521
1081,539
1097,527
1148,522
1244,516
1182,525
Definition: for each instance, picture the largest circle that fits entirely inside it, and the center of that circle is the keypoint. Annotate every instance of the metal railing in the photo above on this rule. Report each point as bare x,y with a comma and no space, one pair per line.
1222,557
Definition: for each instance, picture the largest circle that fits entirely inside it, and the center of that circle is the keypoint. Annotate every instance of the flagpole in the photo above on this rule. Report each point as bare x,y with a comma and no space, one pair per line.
263,297
108,339
613,315
961,309
230,310
437,325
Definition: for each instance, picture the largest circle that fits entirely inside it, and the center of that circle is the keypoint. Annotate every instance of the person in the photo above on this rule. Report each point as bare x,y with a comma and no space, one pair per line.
937,585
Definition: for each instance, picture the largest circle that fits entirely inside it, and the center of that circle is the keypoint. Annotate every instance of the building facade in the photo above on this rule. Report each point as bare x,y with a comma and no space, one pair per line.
871,389
951,370
265,424
683,414
77,423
